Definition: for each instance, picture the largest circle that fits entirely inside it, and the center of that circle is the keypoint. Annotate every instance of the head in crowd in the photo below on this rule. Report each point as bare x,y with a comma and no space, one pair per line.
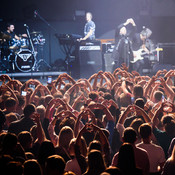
113,171
129,135
4,160
96,164
46,149
29,110
65,132
167,119
107,96
41,110
10,104
94,96
32,167
47,99
95,145
25,139
145,131
14,167
125,100
9,143
55,164
135,124
68,121
139,102
11,117
126,159
138,91
170,129
158,96
21,101
69,173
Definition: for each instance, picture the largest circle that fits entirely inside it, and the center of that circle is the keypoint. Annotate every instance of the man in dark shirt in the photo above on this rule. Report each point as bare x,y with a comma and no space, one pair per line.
25,123
141,46
89,28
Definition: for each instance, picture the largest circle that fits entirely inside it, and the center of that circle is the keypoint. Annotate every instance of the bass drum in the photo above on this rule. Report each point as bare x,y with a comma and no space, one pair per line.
25,60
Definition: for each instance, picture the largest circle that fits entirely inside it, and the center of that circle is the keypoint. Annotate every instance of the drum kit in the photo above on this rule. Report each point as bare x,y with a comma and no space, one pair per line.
19,53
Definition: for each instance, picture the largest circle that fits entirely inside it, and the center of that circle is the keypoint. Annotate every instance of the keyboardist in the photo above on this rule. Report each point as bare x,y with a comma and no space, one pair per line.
89,28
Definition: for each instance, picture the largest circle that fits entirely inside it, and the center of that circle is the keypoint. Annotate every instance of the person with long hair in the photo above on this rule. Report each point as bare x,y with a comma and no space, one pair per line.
169,167
126,160
96,164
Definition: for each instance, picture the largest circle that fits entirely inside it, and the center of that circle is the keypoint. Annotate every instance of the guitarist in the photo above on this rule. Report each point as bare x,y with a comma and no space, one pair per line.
141,44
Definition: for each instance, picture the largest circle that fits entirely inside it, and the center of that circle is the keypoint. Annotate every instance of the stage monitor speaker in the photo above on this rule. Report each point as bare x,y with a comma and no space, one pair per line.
108,62
167,56
90,60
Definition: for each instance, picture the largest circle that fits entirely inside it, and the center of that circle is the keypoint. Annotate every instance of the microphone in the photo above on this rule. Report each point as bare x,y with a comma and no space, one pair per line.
25,25
35,13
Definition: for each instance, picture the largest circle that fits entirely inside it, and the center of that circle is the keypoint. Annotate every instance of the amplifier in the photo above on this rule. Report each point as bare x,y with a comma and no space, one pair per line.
90,61
167,56
107,47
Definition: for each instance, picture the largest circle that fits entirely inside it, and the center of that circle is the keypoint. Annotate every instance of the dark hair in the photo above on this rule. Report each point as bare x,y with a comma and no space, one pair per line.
14,168
10,102
140,102
93,95
166,119
113,171
55,163
25,139
32,167
21,100
95,144
107,96
129,135
138,91
126,159
9,24
145,130
28,110
158,95
96,164
46,149
9,142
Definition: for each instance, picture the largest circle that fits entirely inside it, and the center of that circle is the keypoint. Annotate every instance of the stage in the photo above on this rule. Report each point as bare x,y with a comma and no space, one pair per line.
41,76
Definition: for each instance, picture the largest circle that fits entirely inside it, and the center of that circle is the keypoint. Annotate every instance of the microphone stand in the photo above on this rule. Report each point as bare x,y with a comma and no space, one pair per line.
31,43
51,27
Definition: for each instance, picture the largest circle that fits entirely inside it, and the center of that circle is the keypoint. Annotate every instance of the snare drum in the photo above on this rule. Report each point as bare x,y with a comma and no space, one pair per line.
25,60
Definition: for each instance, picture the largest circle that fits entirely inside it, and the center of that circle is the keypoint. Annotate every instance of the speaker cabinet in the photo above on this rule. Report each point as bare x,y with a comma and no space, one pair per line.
108,62
167,56
90,60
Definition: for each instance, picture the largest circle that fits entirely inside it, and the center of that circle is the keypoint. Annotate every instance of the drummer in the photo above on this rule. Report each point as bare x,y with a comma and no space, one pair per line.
10,31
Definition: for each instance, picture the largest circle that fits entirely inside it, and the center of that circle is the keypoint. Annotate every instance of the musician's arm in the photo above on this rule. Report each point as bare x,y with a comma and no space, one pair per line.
88,35
17,37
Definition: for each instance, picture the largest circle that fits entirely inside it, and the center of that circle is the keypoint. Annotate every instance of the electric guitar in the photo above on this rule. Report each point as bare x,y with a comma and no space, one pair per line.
138,55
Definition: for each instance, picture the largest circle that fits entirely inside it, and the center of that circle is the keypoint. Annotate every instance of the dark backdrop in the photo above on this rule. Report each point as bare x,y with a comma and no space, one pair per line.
158,15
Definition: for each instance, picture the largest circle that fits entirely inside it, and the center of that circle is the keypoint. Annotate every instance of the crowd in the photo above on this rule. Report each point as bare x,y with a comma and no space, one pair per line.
118,123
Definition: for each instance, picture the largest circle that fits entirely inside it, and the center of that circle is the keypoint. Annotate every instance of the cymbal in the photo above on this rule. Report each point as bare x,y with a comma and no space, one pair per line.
35,33
4,36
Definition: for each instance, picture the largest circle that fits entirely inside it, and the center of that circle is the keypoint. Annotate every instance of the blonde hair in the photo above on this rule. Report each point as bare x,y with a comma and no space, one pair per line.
65,136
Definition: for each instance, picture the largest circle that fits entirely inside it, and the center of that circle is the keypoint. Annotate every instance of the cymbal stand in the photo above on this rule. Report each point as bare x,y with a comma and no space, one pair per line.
36,14
31,43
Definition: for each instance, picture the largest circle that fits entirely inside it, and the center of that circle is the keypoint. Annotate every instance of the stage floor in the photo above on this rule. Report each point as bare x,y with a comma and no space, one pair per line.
41,76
